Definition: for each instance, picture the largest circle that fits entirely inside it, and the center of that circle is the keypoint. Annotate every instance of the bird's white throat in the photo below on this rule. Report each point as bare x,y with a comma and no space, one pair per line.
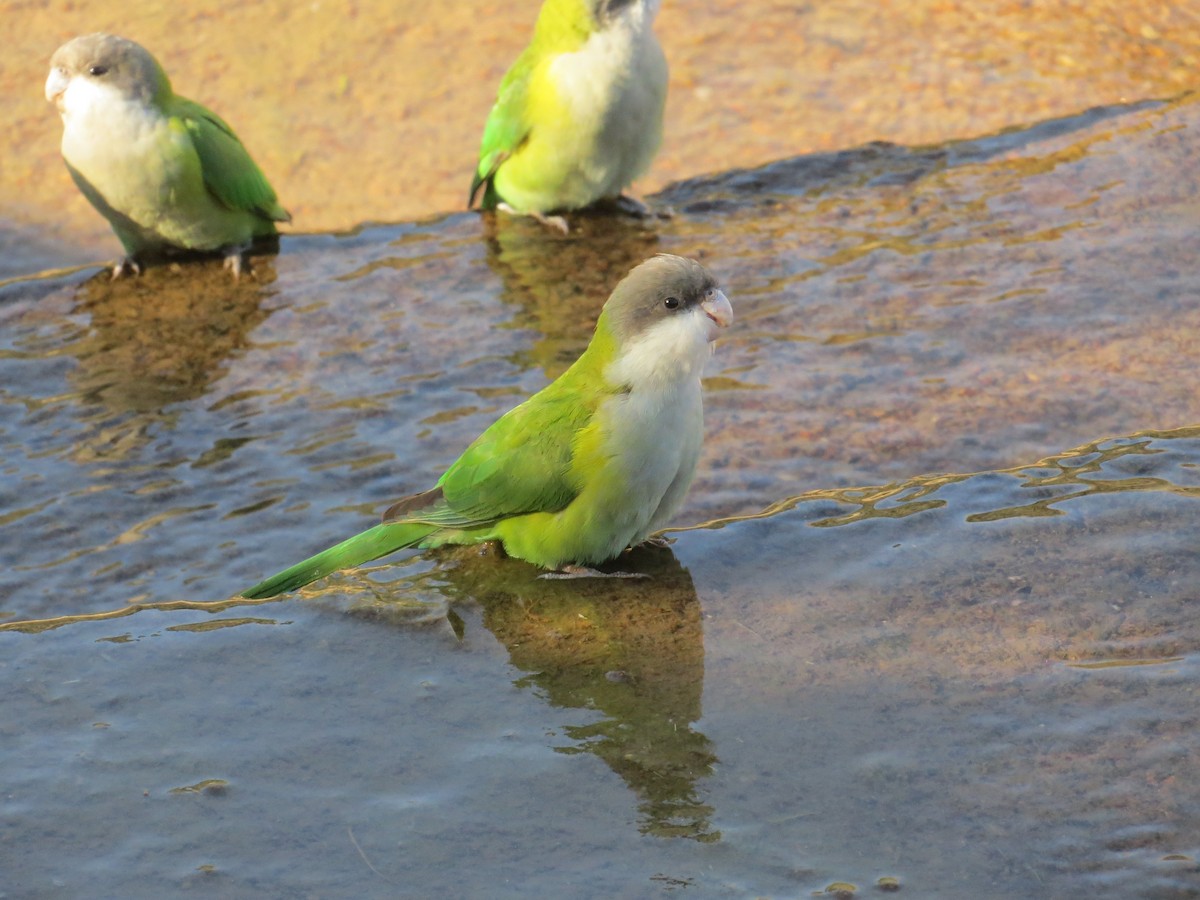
89,108
610,56
666,355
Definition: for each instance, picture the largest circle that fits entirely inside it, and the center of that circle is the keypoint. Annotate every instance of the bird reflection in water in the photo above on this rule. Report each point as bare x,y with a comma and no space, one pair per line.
629,651
162,338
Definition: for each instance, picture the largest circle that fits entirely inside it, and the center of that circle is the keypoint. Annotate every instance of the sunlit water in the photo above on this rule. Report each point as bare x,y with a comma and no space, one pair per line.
937,625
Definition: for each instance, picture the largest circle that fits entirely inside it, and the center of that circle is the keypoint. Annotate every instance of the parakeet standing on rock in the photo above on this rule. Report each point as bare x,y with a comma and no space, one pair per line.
579,114
593,463
166,172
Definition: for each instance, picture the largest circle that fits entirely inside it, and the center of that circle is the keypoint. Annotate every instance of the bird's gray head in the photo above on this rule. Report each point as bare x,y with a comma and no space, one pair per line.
110,62
662,319
663,288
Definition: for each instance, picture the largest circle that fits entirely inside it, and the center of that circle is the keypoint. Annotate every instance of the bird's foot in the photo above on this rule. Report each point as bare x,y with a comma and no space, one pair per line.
632,206
554,223
657,541
570,572
235,260
127,265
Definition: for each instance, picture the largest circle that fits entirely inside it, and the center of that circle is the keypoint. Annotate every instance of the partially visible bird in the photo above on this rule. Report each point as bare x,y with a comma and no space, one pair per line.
593,463
579,114
166,172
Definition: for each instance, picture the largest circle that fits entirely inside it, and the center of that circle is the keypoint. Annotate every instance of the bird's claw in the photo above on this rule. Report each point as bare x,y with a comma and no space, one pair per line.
554,223
235,262
127,265
658,541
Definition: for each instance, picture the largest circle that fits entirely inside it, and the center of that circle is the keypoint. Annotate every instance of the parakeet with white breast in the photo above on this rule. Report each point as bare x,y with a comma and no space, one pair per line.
166,172
593,463
579,115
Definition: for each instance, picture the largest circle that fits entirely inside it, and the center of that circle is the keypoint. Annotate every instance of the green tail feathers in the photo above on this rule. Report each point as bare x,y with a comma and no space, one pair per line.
371,544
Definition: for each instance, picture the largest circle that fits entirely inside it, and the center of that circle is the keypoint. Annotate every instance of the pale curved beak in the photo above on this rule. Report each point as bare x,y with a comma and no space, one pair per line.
56,84
716,307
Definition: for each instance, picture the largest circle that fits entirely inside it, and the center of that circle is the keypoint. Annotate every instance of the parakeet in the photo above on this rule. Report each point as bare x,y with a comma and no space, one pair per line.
166,172
593,463
579,115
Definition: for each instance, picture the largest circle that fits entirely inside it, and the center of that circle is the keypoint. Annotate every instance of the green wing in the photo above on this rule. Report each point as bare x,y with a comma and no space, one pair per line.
521,464
506,130
229,172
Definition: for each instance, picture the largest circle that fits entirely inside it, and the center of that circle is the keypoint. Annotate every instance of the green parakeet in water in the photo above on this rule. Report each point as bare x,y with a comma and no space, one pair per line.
166,172
579,115
593,463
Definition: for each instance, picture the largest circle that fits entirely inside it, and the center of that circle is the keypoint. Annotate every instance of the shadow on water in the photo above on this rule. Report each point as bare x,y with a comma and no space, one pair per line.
980,681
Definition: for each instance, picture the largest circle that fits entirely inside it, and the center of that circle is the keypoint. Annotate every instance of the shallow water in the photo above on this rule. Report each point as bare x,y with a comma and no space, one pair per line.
933,625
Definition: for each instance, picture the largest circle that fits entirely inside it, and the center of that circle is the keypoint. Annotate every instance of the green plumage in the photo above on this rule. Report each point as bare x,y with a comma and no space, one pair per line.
228,170
371,544
578,116
524,463
562,27
505,131
168,173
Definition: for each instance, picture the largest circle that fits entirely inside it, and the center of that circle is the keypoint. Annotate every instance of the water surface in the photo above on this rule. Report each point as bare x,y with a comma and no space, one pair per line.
934,622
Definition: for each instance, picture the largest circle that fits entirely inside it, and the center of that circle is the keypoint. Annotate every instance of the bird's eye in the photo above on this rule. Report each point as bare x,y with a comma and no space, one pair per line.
97,70
671,303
